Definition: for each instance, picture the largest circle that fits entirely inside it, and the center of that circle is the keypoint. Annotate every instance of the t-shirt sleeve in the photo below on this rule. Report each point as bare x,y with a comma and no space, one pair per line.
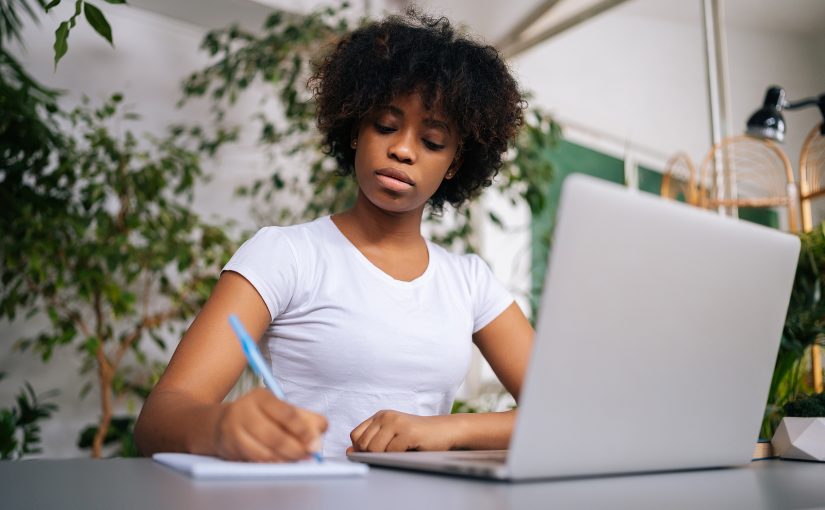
490,298
268,261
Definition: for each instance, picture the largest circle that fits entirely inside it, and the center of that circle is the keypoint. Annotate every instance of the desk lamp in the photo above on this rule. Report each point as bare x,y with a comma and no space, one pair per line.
767,122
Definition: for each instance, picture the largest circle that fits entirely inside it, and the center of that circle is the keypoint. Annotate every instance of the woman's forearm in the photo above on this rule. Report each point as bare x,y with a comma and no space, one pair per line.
483,431
174,422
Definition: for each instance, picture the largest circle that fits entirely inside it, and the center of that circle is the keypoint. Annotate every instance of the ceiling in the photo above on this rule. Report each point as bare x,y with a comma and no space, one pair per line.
499,21
496,19
801,17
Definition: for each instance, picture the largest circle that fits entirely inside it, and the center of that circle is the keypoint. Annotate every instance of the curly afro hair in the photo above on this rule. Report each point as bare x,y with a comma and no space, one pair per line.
468,82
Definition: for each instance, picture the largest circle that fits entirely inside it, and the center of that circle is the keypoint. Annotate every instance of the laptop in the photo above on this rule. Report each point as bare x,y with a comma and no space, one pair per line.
655,343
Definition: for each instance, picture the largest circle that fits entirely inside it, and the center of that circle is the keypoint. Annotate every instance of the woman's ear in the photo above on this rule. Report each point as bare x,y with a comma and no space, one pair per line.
456,164
458,159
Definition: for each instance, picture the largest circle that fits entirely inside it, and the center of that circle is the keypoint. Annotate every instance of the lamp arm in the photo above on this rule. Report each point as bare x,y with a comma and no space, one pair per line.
818,101
810,101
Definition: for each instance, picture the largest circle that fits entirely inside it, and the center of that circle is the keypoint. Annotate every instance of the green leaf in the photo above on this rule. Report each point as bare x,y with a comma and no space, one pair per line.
51,4
8,441
98,21
61,45
160,342
87,387
78,5
92,345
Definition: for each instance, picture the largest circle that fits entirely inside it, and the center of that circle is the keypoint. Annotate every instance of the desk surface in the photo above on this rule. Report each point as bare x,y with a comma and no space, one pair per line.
140,483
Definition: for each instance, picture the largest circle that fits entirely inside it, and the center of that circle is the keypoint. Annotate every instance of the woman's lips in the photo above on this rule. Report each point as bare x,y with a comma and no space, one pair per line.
394,179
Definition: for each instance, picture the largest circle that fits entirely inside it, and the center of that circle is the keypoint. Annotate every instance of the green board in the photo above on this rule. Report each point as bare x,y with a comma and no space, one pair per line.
568,158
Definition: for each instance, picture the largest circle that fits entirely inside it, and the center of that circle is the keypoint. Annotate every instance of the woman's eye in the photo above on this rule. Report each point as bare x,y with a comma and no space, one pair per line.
381,128
433,146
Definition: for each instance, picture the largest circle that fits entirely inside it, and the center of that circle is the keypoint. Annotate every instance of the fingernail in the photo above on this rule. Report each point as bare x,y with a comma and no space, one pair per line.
315,445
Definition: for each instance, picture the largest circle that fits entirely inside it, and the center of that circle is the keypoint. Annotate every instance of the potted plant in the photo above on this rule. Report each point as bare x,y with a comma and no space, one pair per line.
801,433
98,235
804,327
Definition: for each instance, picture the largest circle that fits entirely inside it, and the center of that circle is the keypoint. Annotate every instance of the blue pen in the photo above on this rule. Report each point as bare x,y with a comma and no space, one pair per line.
256,361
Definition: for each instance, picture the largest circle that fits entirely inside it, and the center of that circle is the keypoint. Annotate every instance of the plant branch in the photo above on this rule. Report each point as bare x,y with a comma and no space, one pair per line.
123,212
148,322
73,315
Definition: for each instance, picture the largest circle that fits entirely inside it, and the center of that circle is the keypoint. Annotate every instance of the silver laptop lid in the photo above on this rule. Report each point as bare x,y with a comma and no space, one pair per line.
656,337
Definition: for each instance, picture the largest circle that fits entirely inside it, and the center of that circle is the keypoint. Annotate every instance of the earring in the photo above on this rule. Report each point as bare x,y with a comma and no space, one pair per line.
354,143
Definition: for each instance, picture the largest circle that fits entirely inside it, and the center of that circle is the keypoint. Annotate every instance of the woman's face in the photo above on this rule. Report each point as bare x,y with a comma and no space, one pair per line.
403,153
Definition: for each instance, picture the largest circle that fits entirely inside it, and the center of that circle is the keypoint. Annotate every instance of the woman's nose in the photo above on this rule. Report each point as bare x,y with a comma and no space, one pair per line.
401,149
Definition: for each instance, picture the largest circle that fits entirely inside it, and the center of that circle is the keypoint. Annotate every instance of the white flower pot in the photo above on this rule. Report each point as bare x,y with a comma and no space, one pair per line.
800,438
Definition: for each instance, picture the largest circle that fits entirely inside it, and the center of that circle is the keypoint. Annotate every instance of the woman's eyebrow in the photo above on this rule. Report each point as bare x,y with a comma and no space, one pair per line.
437,124
429,121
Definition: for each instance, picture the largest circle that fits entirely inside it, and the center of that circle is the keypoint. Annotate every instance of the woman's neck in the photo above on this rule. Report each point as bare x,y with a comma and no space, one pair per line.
366,223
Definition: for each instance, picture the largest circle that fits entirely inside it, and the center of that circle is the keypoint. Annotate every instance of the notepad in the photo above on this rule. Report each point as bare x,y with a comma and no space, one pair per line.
211,468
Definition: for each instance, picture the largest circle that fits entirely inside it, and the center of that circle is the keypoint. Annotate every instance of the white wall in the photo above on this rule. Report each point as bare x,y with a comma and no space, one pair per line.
643,78
761,59
819,48
641,81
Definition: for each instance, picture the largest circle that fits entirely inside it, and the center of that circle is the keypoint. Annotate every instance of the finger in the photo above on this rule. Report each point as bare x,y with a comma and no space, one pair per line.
248,448
321,423
366,437
277,439
317,422
381,439
356,433
290,448
398,443
291,419
350,450
315,446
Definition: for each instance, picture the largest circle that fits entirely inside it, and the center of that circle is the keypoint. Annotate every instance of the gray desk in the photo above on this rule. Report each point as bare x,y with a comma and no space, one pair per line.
139,483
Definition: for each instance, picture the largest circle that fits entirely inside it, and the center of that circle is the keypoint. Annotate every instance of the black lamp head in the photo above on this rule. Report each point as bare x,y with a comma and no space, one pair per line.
767,122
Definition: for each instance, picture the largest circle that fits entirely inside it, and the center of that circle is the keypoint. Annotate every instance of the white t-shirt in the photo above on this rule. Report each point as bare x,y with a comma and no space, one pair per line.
347,340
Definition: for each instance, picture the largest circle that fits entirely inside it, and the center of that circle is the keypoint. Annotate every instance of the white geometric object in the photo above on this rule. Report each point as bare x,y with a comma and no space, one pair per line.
800,438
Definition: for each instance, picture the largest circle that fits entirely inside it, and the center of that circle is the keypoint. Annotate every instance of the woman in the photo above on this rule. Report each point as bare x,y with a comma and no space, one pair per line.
366,324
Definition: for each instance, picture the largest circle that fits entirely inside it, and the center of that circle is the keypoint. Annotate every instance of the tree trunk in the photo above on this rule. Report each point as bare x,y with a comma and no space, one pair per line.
105,376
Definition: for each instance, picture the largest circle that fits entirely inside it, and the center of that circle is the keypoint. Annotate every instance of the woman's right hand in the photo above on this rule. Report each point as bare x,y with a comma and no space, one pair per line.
259,427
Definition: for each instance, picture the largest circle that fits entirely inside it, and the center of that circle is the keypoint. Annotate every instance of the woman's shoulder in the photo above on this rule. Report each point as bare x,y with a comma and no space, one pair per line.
300,235
468,263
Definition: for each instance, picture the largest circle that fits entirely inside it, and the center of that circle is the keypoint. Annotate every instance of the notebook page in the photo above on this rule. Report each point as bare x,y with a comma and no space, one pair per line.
205,467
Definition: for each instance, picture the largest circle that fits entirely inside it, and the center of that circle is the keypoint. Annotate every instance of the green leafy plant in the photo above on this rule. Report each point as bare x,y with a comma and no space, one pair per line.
809,406
28,125
493,397
527,179
278,59
804,327
97,231
93,15
117,253
11,17
119,433
19,424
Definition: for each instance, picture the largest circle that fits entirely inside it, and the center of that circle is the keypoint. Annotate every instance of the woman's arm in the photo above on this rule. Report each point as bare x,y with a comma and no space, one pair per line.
505,343
184,411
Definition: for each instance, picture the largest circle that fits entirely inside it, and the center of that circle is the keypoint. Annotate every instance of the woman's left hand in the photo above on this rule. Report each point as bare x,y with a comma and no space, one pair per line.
394,431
